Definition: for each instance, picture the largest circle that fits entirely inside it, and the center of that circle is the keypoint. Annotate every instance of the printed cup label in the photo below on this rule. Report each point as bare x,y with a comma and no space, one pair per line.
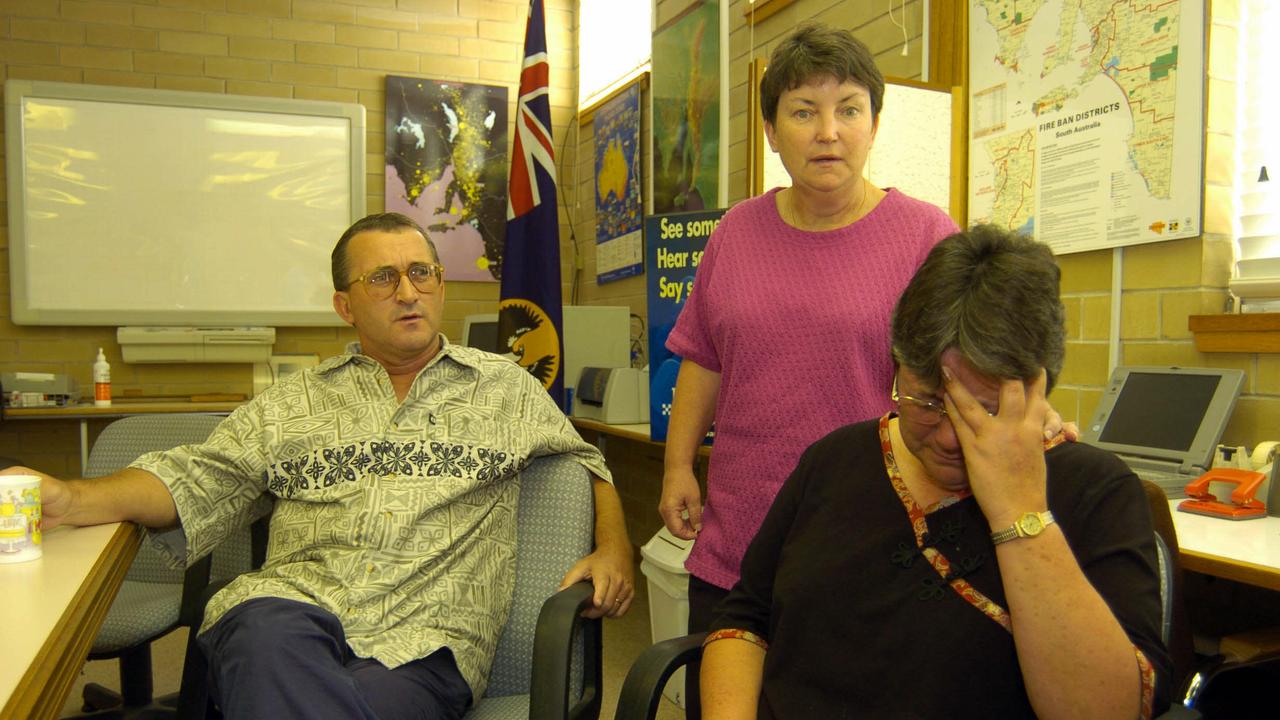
19,518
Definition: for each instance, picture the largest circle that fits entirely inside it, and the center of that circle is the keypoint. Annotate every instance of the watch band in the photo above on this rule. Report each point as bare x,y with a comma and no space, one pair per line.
1030,524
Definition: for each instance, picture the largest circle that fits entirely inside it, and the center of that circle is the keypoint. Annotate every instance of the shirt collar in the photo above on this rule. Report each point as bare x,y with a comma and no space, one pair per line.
353,354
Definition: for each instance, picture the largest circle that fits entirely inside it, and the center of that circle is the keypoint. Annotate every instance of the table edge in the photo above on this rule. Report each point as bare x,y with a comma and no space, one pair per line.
45,685
1230,569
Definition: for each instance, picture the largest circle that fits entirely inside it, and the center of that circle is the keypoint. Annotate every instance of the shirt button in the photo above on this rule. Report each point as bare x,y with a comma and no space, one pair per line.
369,568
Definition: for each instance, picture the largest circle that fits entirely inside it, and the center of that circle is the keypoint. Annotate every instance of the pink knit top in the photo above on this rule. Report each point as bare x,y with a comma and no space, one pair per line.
797,324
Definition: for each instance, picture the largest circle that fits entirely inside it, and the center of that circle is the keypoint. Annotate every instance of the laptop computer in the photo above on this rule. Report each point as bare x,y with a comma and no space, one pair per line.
1165,422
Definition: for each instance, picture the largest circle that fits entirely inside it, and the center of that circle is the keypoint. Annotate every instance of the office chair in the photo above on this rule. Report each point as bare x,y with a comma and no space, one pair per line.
642,688
1211,687
1178,640
147,606
548,663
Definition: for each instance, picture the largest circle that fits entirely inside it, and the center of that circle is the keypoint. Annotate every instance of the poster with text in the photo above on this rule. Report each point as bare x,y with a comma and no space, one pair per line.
686,109
1086,120
673,249
616,126
446,167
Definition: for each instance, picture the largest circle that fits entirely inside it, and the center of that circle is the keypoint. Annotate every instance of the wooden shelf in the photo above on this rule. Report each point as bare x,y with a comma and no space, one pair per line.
1243,333
757,11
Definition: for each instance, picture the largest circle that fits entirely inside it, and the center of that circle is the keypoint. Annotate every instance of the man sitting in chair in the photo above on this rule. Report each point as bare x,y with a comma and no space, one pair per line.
394,473
946,561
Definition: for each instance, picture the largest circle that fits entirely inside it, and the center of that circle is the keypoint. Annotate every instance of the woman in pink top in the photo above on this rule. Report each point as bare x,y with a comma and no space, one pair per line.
786,334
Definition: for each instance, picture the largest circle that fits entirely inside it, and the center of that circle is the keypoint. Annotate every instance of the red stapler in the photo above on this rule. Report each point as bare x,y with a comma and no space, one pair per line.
1243,506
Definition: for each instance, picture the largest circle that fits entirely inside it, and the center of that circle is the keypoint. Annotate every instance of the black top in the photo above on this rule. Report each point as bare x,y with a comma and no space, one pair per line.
861,625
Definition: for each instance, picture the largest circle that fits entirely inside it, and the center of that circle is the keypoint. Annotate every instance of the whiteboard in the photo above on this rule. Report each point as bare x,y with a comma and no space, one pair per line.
912,149
152,207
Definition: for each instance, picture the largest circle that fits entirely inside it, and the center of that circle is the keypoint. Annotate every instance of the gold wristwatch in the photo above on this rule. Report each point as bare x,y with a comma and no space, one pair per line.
1029,525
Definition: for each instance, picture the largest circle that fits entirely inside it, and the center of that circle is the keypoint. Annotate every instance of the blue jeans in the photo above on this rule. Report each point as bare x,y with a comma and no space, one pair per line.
276,658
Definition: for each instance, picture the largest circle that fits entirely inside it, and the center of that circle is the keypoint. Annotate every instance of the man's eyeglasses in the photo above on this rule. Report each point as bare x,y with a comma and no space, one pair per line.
930,412
381,283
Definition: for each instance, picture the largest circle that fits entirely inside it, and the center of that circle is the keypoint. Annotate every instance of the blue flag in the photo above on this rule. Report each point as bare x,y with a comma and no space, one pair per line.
529,315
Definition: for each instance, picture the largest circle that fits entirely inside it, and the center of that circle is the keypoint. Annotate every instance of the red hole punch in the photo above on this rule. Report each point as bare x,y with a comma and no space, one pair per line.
1243,505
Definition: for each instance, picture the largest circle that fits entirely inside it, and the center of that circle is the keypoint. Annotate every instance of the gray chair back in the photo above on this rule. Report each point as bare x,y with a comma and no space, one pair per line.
149,599
554,526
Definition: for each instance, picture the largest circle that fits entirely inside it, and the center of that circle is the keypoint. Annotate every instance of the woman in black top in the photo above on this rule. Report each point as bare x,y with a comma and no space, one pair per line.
946,561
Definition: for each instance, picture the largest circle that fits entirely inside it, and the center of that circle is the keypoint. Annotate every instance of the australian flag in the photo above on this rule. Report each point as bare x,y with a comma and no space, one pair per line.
529,318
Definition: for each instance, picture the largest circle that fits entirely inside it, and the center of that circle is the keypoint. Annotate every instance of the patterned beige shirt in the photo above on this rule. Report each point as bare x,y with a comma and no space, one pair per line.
398,518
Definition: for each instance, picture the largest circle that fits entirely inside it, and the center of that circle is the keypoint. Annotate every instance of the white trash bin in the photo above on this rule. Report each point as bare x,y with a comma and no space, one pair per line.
662,562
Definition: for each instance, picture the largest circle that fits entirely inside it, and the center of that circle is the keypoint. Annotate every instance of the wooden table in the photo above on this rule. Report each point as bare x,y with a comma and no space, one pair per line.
51,610
636,433
86,412
1246,551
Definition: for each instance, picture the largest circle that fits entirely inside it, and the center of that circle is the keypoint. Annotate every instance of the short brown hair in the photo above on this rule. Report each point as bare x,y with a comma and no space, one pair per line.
386,222
815,51
993,296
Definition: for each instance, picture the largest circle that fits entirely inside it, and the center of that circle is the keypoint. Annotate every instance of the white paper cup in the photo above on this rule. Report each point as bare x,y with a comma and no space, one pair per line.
19,518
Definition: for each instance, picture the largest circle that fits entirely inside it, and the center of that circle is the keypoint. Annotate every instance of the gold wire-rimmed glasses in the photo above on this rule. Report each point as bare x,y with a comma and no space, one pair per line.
381,283
932,410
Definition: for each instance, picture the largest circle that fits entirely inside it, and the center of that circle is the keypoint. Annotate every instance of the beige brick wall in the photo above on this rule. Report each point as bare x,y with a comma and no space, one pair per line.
331,50
1164,283
342,50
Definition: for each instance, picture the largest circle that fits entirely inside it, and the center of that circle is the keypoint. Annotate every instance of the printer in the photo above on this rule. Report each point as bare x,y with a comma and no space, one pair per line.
616,396
29,389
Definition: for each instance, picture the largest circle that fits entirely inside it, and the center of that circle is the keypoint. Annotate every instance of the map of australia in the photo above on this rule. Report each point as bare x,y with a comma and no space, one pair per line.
1056,71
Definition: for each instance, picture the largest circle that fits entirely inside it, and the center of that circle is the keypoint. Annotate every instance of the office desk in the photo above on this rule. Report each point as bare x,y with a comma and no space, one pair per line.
118,409
1246,551
636,433
51,610
637,466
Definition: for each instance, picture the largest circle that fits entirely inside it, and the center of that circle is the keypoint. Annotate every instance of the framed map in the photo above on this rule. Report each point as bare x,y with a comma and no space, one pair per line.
446,167
1086,120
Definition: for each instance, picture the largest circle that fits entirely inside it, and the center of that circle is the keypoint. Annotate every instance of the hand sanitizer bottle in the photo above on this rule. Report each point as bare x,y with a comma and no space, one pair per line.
101,381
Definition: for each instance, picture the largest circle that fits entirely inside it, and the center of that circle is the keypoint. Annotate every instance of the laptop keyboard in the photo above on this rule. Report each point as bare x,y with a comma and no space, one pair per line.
1173,484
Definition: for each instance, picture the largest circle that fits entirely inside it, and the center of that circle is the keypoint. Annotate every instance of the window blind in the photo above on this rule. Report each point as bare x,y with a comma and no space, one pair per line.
1256,278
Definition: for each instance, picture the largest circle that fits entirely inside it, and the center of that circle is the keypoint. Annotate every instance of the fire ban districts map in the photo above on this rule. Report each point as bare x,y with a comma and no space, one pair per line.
1086,119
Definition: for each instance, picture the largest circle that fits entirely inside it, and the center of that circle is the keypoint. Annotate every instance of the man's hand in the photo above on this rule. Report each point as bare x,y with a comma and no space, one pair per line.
1003,453
55,497
681,503
612,573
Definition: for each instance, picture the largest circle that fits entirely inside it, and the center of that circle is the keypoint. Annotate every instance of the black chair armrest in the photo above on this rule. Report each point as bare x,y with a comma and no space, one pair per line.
642,690
559,622
1235,688
193,696
1178,712
194,582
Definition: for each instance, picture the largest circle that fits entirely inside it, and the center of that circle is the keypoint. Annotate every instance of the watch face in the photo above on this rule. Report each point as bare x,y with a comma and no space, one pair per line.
1031,524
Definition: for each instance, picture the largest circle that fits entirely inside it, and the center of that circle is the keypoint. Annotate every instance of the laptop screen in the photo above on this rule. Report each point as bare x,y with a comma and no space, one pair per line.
1160,410
1168,414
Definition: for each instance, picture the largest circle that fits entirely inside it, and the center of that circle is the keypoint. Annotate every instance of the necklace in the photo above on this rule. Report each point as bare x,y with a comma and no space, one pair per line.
792,217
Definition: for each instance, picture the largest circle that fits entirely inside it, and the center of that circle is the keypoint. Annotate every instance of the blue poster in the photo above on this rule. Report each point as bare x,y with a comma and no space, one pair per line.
617,139
672,252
